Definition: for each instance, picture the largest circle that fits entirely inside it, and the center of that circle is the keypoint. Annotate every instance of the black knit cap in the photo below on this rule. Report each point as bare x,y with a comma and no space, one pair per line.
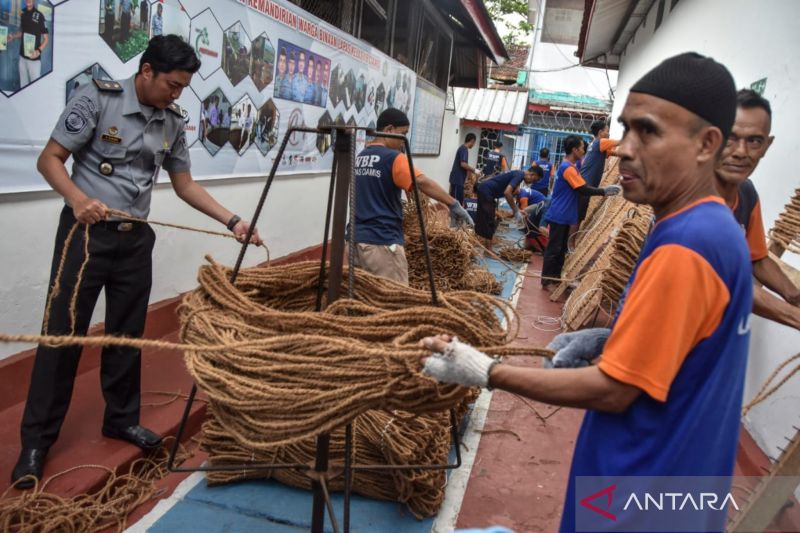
391,117
696,83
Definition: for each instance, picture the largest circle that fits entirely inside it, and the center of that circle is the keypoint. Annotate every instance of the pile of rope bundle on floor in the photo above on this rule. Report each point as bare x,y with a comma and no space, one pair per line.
452,253
291,374
514,254
37,510
379,438
786,232
602,288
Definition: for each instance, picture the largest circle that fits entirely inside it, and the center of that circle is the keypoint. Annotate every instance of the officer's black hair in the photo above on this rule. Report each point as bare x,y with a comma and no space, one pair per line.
498,144
749,99
537,170
469,138
571,142
544,153
166,53
597,126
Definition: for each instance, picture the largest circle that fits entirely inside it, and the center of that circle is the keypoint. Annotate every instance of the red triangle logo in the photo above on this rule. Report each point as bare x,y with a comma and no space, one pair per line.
609,493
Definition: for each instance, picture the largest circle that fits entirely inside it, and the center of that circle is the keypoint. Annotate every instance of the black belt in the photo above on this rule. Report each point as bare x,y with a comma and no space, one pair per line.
117,225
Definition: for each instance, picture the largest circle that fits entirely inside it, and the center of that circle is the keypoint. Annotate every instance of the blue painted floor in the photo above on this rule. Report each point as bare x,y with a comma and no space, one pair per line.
269,506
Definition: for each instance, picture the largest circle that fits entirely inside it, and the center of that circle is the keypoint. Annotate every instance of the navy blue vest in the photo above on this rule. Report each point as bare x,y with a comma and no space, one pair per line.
379,212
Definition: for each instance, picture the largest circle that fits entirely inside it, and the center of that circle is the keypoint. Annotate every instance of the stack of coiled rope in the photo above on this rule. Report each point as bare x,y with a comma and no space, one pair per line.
787,228
452,253
357,361
602,288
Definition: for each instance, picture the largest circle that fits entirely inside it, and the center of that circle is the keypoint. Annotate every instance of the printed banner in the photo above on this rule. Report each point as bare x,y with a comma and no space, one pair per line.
266,66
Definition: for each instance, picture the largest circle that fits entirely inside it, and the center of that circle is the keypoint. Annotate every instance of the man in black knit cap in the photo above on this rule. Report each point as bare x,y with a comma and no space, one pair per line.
669,374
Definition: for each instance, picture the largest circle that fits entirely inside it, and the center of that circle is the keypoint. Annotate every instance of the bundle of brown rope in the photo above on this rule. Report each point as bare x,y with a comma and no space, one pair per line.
469,185
37,510
381,438
625,249
787,228
601,289
312,372
452,253
514,254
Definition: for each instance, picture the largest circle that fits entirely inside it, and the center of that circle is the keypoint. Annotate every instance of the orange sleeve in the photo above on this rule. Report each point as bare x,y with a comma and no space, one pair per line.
574,177
653,333
756,238
608,145
400,174
503,164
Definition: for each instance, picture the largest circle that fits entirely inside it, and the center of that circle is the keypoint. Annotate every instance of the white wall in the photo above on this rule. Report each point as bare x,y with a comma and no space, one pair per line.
754,40
438,167
292,219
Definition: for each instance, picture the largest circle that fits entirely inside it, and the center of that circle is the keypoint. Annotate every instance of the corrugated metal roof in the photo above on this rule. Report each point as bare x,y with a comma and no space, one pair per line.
491,105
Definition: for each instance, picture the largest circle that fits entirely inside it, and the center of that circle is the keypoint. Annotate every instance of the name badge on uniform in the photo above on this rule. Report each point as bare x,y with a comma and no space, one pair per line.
111,136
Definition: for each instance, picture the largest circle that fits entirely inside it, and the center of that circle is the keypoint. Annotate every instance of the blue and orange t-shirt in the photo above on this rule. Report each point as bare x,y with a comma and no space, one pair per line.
747,212
594,162
381,174
681,336
564,204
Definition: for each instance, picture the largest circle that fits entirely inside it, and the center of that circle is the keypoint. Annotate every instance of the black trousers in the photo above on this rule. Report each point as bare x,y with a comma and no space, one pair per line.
485,220
120,262
555,252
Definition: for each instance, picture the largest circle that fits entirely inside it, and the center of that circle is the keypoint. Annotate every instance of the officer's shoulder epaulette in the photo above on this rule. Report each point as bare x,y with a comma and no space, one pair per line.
109,85
178,110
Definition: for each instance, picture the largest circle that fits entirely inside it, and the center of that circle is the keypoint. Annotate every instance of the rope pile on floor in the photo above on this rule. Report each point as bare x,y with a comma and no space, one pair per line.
787,227
37,510
382,438
514,254
452,253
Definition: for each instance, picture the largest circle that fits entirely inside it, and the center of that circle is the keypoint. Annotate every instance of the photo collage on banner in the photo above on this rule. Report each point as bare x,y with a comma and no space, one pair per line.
266,66
26,44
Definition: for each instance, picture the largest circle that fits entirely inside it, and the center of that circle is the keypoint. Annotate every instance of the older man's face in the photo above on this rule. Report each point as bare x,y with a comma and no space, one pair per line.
747,144
660,152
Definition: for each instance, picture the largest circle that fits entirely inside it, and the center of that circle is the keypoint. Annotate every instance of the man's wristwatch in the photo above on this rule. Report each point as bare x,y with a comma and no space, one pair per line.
235,219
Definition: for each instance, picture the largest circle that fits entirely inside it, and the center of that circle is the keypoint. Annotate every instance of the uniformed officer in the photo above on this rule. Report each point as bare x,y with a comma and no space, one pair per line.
119,135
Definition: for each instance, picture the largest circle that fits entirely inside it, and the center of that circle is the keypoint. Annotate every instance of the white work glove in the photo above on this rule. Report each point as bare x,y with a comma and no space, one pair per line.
460,364
612,190
577,348
459,216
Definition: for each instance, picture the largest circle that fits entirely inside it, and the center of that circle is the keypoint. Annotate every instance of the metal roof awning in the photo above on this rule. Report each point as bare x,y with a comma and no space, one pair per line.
608,26
491,108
